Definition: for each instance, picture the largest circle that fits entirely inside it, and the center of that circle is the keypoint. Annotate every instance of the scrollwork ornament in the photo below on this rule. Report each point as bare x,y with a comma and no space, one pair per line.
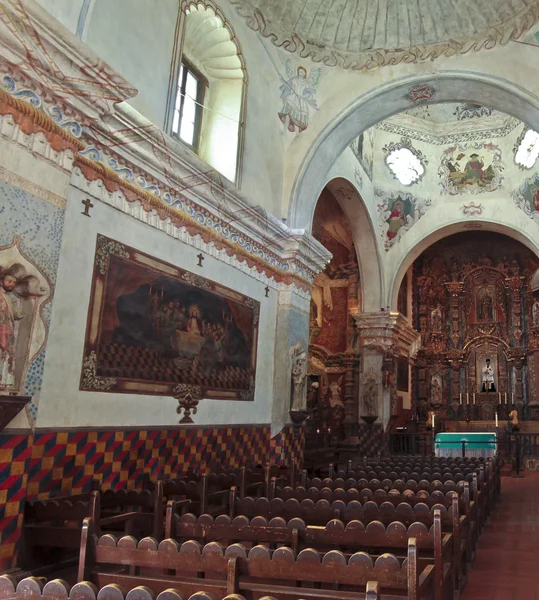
188,397
105,248
90,379
197,281
255,305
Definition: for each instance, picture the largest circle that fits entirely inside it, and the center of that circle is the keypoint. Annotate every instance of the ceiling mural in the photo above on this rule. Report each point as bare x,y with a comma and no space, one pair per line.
526,197
397,213
471,169
364,34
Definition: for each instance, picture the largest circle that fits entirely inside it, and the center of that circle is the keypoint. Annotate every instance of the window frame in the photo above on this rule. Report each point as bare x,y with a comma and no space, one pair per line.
202,86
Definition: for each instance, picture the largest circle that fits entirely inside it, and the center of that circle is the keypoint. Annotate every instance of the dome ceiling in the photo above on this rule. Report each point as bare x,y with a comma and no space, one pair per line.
361,34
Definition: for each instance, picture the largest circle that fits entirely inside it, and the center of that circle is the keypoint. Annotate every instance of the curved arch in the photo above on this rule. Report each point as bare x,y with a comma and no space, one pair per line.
408,257
381,102
363,233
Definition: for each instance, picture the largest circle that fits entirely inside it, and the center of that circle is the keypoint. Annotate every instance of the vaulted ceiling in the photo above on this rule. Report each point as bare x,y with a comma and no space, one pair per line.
367,33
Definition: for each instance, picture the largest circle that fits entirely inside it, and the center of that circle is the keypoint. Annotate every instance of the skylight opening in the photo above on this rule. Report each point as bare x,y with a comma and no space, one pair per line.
406,167
528,150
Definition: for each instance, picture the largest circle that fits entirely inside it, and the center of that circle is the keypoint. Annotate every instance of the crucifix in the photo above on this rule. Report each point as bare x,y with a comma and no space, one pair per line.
200,259
87,206
267,291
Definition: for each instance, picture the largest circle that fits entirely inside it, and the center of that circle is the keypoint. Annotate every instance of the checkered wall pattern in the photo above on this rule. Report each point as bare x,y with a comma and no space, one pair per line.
371,440
48,464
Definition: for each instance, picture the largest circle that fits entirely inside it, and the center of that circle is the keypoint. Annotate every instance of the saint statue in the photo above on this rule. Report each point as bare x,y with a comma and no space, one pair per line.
487,378
535,314
486,306
513,419
370,398
299,374
335,391
436,390
436,320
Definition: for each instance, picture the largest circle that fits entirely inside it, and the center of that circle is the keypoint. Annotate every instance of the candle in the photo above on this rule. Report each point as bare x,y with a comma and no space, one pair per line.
473,399
506,397
500,398
467,397
432,420
513,398
460,399
496,420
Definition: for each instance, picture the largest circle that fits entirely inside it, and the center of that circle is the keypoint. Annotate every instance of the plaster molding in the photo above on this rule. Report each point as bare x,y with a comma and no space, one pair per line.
134,208
334,49
32,188
388,332
149,166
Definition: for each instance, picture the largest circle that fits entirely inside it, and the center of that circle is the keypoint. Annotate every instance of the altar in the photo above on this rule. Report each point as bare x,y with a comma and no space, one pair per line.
475,444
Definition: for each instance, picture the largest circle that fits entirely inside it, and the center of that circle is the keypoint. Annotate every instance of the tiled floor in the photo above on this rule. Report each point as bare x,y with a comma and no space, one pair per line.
507,561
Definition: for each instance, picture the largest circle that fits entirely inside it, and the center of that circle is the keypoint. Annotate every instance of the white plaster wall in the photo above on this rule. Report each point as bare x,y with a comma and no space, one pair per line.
136,38
65,11
62,404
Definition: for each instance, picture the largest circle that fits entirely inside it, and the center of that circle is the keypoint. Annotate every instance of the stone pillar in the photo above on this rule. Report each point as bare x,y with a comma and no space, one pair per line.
384,334
292,329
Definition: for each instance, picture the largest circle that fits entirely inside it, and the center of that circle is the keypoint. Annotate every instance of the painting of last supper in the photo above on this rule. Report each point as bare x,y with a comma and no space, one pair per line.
156,330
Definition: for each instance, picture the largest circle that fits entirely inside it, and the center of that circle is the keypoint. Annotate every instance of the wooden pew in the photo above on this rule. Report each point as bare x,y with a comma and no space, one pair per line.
433,546
253,573
38,589
51,531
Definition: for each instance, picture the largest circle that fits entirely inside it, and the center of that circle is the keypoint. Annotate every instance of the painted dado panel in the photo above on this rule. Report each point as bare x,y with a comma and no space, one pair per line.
48,464
63,404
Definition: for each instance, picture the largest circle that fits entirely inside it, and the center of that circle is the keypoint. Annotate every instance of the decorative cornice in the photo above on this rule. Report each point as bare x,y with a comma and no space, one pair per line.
31,120
388,332
317,51
32,188
146,166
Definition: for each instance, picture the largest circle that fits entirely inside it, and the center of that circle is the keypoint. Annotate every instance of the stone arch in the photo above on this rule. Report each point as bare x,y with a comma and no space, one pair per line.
384,100
408,254
365,242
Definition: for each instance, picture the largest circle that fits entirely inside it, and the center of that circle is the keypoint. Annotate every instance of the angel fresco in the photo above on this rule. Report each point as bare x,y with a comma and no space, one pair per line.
16,285
298,94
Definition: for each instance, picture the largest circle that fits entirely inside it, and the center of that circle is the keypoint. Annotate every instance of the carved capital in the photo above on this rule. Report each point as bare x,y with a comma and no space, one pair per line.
388,333
454,288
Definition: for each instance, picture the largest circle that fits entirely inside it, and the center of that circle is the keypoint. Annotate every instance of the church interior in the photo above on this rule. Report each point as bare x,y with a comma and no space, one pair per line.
269,300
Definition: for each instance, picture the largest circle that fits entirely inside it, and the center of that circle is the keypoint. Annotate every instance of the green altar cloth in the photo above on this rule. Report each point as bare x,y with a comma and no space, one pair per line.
477,444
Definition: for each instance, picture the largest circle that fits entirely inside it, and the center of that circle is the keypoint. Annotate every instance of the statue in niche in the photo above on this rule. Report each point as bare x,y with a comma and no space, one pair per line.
17,288
299,373
436,320
335,393
436,399
487,378
485,305
535,314
370,394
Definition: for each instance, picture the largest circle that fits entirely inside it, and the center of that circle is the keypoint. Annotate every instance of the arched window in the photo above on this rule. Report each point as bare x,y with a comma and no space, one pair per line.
206,100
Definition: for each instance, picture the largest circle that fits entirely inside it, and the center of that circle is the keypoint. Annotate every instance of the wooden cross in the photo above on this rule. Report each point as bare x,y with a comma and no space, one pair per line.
200,259
87,206
267,291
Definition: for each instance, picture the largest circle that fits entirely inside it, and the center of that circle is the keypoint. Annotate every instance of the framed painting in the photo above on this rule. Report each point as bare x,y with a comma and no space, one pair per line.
153,327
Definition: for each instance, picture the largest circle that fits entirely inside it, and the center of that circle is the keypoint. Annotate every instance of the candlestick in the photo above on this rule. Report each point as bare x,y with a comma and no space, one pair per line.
473,399
513,398
460,398
467,397
432,420
496,420
506,397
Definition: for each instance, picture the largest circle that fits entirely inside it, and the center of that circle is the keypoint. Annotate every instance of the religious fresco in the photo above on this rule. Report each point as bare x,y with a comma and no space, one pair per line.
153,327
298,96
24,291
473,168
363,149
397,213
526,197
